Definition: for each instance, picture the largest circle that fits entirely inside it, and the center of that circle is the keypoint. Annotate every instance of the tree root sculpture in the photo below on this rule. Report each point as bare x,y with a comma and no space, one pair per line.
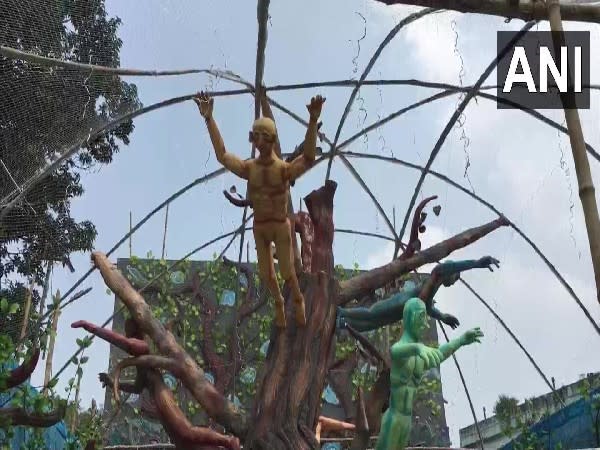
288,399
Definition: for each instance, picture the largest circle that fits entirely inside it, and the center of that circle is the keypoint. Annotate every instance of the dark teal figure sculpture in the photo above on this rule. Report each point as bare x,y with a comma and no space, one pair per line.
389,311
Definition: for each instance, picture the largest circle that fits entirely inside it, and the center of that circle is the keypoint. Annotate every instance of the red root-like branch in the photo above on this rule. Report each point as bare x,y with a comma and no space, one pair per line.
414,244
18,416
20,374
237,201
133,346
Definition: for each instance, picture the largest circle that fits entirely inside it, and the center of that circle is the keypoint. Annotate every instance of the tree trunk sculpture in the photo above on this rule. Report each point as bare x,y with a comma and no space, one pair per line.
288,401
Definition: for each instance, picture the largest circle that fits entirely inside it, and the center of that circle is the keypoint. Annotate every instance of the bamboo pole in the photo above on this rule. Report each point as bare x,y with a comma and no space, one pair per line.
26,312
582,165
51,342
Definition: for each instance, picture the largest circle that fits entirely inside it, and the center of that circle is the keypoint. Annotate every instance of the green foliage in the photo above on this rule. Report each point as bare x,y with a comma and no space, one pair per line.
81,31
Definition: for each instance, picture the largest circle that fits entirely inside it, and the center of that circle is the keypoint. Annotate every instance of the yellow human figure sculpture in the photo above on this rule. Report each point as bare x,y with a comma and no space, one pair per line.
269,179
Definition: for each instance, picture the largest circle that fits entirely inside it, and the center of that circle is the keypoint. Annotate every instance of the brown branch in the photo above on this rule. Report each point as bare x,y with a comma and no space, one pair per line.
133,346
147,361
20,374
414,244
524,10
18,416
363,283
215,405
236,201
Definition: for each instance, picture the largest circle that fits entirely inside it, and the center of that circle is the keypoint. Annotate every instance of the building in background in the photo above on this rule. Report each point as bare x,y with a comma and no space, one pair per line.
133,422
575,425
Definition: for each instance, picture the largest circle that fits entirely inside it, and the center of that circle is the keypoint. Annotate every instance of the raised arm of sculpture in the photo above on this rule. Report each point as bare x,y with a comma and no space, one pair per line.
229,160
410,360
305,160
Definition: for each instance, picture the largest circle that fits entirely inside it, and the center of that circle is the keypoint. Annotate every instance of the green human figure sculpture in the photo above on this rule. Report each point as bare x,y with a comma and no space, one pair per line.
410,359
389,310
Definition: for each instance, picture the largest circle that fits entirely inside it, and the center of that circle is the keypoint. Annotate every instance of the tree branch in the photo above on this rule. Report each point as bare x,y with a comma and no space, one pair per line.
363,283
414,244
148,361
369,347
240,202
20,374
525,10
18,416
192,377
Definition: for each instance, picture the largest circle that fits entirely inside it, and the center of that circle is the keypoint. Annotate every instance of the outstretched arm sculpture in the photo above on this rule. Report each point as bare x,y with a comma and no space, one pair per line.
410,360
269,180
389,310
181,432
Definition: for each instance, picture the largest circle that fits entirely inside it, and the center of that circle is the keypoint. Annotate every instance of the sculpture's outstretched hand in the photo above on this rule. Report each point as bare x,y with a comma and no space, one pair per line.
205,104
104,379
488,261
431,356
314,108
450,320
472,336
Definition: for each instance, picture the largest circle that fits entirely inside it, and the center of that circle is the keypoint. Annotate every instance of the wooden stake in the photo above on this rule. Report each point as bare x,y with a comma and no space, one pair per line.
51,341
582,165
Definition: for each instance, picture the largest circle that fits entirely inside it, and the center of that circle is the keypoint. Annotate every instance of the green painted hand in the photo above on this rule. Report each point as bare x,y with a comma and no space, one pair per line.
432,357
472,336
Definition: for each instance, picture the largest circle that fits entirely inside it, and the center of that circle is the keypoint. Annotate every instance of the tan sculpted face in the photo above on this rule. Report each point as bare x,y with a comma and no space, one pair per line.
263,135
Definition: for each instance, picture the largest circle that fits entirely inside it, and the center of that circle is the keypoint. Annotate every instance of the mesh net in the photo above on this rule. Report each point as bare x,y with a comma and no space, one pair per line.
54,111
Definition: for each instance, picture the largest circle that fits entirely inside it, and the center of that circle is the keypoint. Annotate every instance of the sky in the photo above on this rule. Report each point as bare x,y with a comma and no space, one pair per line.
515,162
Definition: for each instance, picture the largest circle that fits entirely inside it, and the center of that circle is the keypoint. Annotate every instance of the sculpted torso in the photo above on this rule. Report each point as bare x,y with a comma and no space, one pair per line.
405,378
268,187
